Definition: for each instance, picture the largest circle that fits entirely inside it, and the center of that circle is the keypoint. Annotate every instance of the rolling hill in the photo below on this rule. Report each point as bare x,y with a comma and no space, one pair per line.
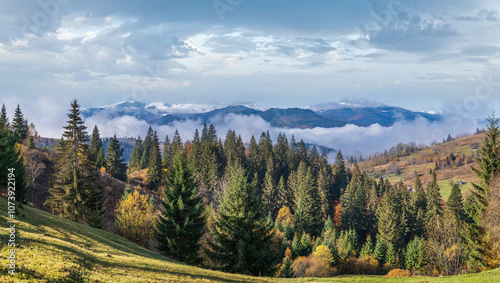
78,253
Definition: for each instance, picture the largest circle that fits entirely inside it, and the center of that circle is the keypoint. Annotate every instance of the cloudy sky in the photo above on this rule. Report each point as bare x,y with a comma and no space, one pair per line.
421,55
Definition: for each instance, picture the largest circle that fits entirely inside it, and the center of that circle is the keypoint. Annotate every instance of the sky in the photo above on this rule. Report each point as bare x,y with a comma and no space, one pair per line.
421,55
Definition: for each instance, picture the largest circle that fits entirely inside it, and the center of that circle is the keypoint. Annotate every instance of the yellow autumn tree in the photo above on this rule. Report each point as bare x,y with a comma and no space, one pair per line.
135,219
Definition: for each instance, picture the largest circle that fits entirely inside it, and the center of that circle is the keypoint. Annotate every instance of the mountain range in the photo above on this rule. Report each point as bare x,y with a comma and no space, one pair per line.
159,113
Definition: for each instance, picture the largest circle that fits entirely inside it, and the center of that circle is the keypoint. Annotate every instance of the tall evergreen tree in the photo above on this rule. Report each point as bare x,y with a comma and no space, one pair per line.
283,198
420,207
11,157
73,195
269,195
434,200
455,202
154,163
389,229
95,146
488,166
115,164
181,223
19,125
135,158
340,172
241,239
146,147
4,120
166,158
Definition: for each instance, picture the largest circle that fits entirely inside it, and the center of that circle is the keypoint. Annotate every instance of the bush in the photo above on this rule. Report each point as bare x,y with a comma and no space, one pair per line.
365,265
323,252
311,266
398,273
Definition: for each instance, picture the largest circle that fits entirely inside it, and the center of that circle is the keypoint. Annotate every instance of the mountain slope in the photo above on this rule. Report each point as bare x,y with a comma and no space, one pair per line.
159,113
385,116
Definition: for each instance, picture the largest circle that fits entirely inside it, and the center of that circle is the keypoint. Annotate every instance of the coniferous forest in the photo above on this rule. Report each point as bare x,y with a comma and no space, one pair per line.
264,208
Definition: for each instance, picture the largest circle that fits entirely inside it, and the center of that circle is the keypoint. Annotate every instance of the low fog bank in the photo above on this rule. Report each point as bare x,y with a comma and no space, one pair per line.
351,139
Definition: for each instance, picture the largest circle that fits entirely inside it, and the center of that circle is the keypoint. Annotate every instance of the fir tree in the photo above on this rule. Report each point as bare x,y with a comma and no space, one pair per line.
241,239
389,229
4,120
166,158
73,195
434,200
455,202
95,146
11,157
367,249
146,147
340,180
135,158
269,194
283,198
180,226
488,166
154,164
115,164
19,125
415,255
31,143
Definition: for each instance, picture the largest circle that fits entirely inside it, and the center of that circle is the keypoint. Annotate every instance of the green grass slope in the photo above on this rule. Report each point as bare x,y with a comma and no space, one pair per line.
53,249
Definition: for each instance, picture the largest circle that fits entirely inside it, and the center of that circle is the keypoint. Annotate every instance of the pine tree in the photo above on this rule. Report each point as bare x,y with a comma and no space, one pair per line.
146,147
323,186
95,146
283,197
19,125
241,239
455,202
73,195
353,203
340,180
389,229
415,255
12,157
368,247
434,200
31,143
180,226
420,207
135,158
166,158
305,196
269,193
115,164
154,164
280,155
4,120
488,166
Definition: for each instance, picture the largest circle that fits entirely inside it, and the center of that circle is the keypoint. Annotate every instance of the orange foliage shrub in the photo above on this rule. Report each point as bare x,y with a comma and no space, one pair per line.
366,265
398,273
311,266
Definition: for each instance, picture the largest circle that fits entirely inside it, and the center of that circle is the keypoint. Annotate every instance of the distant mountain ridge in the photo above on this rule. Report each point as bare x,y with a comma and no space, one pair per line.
159,113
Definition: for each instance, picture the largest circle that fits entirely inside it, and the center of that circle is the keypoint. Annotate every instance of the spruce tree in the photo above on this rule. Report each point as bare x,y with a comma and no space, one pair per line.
166,158
455,202
146,147
4,120
340,179
269,192
283,197
488,166
154,163
241,239
181,223
73,195
95,147
11,157
135,158
434,200
19,125
115,164
389,228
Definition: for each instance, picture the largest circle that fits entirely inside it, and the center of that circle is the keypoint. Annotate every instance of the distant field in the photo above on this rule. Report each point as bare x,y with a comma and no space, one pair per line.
57,250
